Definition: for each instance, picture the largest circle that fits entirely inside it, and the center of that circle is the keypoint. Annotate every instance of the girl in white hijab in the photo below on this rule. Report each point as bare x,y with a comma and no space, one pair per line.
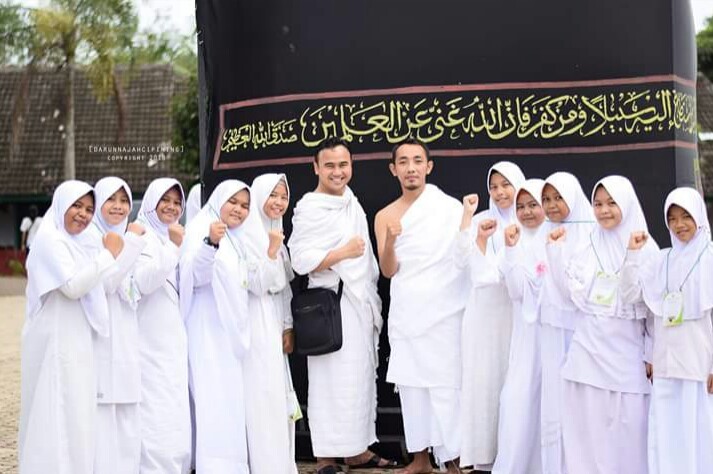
677,286
606,389
66,307
193,203
117,357
269,406
566,207
487,321
522,266
164,408
214,302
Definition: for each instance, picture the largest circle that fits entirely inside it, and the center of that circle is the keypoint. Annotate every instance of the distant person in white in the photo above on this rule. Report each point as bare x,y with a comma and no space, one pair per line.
29,227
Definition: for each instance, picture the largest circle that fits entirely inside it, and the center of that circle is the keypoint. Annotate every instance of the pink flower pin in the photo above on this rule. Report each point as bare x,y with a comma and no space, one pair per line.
540,269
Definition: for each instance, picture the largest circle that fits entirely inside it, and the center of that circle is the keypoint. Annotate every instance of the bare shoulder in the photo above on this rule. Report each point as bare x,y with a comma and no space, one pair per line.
386,213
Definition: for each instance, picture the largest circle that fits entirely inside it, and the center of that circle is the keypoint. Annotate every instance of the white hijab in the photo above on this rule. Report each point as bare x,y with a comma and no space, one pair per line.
610,245
193,203
579,224
258,224
57,256
103,190
228,282
682,257
147,214
532,242
504,217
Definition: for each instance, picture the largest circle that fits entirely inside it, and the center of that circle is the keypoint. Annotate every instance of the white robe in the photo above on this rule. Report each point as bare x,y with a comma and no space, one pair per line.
119,370
270,431
341,398
487,329
519,445
217,381
425,317
58,393
165,417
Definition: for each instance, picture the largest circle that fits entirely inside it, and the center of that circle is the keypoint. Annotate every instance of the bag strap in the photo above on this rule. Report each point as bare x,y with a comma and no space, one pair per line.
339,291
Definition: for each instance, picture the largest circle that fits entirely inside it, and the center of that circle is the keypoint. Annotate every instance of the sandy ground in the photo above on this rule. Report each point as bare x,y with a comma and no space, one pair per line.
12,310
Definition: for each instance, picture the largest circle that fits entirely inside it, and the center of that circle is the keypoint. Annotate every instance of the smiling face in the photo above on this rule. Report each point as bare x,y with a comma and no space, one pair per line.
277,202
79,214
606,210
334,169
169,208
556,209
500,190
411,166
528,210
681,223
236,209
116,208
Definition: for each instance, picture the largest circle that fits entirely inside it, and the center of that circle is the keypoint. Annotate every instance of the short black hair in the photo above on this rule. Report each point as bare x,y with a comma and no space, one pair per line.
330,144
410,141
33,211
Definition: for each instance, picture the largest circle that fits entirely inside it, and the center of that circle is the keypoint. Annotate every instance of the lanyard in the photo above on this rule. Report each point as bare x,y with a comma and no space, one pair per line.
601,267
700,255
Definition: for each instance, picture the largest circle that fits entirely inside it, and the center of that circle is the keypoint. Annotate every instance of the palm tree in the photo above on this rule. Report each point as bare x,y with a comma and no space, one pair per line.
92,32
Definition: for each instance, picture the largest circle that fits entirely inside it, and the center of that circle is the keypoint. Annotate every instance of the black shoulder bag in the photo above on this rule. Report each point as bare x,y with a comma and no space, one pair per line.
317,319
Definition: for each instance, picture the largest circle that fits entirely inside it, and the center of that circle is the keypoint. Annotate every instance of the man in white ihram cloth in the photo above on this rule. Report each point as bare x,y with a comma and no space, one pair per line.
415,235
330,240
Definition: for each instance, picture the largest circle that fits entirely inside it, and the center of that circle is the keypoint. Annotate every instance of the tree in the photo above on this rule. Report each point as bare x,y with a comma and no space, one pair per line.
93,33
704,41
185,112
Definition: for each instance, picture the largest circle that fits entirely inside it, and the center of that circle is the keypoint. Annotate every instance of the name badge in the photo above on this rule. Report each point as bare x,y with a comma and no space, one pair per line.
604,289
673,309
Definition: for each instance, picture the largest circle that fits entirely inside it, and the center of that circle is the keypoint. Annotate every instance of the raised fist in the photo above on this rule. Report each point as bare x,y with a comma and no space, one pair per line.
216,231
355,247
637,240
175,234
136,228
486,228
557,235
393,230
276,237
512,235
113,243
470,204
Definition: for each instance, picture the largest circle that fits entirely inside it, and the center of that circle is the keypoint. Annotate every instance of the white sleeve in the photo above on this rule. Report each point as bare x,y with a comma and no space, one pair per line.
153,268
88,277
25,224
629,286
133,246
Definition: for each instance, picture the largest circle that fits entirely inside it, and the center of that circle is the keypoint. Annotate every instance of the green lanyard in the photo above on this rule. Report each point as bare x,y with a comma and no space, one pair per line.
700,255
591,241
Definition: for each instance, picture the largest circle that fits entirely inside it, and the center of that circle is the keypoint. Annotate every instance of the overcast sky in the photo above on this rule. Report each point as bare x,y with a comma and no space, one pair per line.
179,15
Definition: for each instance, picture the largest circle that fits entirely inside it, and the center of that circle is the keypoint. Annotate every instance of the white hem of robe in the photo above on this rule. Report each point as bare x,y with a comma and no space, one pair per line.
680,427
485,347
554,345
519,445
341,398
431,420
604,432
118,443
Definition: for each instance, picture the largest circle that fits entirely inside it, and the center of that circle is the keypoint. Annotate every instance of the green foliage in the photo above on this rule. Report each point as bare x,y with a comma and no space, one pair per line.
16,267
15,34
704,41
185,127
